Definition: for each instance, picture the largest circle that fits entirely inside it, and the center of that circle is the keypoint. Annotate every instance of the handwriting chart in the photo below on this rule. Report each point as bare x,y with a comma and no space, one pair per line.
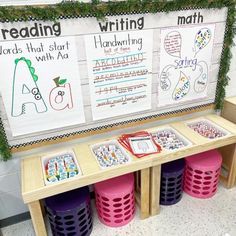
120,72
185,63
41,84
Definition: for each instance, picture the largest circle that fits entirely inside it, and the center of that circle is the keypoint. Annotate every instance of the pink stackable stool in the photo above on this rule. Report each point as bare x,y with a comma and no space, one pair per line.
115,200
202,174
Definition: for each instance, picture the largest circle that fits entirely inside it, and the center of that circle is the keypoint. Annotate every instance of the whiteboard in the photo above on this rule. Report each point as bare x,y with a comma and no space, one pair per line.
193,72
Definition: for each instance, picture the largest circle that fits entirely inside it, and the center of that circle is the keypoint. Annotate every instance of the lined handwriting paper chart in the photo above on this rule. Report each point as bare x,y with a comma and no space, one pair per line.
120,76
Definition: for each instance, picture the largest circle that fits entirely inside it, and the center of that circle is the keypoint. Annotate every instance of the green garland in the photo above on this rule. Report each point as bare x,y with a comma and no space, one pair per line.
226,56
100,10
5,153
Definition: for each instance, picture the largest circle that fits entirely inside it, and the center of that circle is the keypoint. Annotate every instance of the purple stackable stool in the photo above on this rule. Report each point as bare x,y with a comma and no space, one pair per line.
70,213
172,182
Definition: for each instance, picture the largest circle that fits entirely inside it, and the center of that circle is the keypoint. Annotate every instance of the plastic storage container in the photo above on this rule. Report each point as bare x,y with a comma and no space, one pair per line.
202,174
172,182
115,200
69,213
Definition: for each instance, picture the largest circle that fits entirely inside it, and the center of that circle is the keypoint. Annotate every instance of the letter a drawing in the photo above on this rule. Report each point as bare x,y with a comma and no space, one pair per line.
25,90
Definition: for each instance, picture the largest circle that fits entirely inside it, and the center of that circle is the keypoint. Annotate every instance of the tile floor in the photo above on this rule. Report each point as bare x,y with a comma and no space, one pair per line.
190,217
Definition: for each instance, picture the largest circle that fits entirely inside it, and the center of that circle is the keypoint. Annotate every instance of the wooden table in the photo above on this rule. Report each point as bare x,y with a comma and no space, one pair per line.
34,189
229,109
229,113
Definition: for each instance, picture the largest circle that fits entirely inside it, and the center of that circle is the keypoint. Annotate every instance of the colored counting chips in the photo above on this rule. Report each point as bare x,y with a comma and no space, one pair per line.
207,130
60,167
110,154
169,139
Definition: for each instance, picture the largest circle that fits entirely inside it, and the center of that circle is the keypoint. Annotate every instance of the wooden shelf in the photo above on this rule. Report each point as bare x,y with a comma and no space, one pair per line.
33,187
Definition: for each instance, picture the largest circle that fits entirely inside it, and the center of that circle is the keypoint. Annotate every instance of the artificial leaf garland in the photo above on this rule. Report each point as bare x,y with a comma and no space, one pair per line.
99,10
5,153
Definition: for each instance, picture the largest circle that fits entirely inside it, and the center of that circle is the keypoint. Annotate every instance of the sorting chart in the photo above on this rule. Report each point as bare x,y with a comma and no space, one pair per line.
185,54
110,154
207,129
60,167
170,139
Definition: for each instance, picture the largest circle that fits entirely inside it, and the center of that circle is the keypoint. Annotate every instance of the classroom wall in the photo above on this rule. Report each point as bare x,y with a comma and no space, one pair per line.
11,202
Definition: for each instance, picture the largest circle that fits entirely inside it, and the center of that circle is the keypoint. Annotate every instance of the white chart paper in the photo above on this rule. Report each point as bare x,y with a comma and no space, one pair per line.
120,72
40,84
185,63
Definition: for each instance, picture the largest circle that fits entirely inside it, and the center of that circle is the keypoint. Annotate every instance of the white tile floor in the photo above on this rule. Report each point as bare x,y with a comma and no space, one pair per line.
190,217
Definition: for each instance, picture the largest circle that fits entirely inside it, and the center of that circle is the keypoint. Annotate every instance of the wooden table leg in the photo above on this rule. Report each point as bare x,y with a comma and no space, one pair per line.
144,192
42,208
37,218
155,179
229,157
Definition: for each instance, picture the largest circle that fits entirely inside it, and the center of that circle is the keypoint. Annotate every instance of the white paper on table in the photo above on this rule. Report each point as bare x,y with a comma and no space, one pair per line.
142,145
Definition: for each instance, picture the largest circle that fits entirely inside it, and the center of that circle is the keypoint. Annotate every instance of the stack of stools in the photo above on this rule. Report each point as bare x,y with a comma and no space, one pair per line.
172,182
115,201
202,174
69,213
